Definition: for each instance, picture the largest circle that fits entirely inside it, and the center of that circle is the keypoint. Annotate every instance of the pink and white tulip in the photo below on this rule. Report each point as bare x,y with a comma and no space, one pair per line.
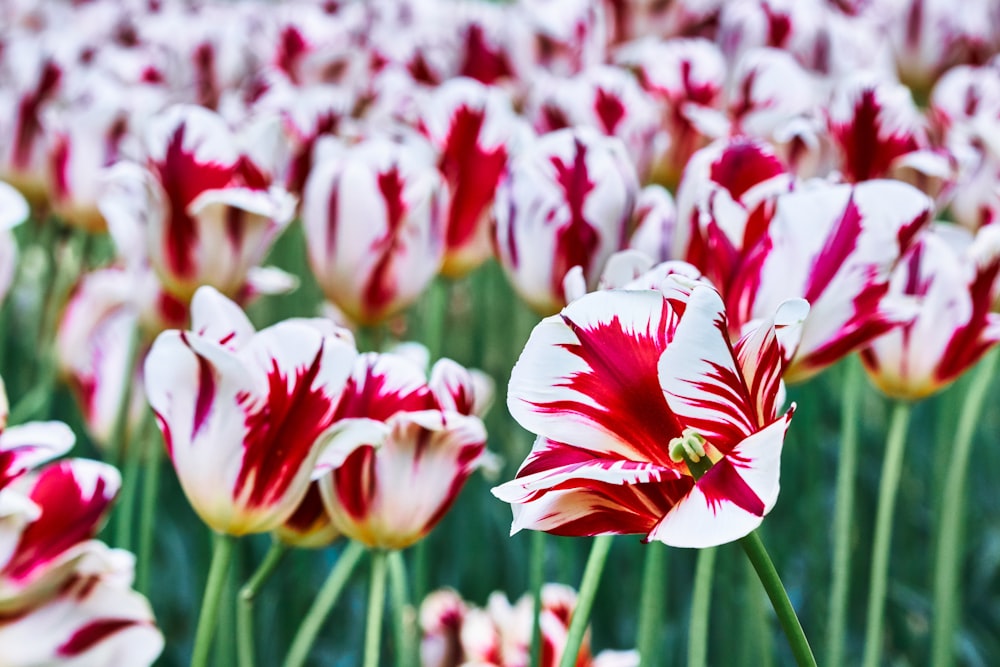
374,217
626,391
952,278
245,415
565,201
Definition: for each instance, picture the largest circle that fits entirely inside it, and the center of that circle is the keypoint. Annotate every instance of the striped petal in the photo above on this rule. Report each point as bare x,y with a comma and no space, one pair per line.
568,491
94,619
74,497
27,446
701,381
217,318
731,499
393,496
589,376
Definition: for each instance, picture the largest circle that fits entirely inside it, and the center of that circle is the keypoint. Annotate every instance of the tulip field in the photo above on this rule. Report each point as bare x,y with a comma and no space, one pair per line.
540,333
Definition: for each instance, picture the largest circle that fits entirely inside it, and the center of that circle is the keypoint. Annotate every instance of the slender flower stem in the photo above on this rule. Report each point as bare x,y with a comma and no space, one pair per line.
948,553
843,514
244,612
585,600
651,604
398,595
888,488
135,453
755,551
147,512
222,557
701,607
536,579
325,600
376,607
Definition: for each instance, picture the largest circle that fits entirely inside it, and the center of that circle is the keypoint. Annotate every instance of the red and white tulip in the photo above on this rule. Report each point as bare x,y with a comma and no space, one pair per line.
835,246
244,414
412,447
69,501
499,635
475,130
215,209
629,392
951,280
565,201
93,618
374,217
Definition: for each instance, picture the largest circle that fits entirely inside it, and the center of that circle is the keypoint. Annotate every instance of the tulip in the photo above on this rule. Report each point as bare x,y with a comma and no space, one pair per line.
725,204
38,79
775,99
604,97
85,134
69,501
686,77
472,126
374,223
412,450
499,635
648,420
953,278
931,36
95,618
569,35
245,414
215,210
835,246
878,130
566,201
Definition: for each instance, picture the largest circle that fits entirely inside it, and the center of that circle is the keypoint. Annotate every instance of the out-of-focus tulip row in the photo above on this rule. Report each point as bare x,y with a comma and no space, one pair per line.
704,200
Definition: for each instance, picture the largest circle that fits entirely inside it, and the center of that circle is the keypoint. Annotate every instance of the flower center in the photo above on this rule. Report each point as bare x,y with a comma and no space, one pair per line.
689,448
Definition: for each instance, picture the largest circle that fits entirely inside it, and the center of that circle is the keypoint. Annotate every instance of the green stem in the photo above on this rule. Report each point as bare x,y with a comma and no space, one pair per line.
147,512
951,516
325,600
585,600
652,604
376,607
888,489
222,556
755,551
536,579
118,444
126,506
244,618
701,608
398,595
843,514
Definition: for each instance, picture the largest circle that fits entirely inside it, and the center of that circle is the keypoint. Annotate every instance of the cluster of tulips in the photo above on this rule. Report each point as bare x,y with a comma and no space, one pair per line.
704,200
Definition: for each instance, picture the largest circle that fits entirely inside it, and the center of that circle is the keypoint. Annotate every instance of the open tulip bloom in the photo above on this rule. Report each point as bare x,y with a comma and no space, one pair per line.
244,414
649,420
